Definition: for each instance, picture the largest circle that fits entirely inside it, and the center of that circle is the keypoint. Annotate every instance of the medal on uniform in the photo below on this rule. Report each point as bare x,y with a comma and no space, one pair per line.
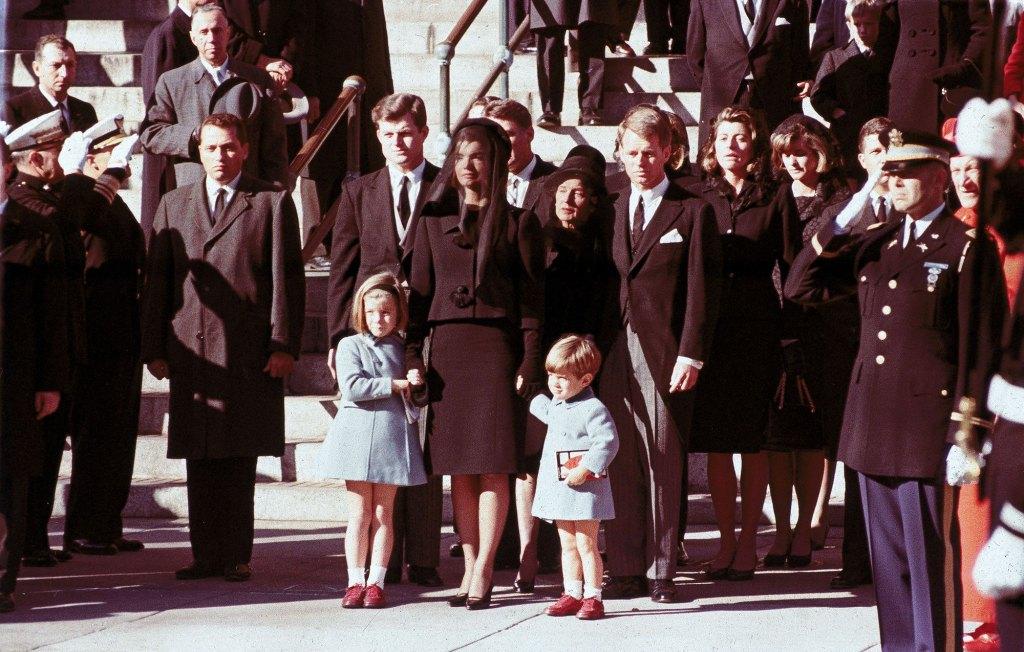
934,269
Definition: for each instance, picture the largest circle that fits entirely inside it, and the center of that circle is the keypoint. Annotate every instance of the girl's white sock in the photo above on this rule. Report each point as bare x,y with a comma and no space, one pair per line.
574,588
357,575
377,576
591,592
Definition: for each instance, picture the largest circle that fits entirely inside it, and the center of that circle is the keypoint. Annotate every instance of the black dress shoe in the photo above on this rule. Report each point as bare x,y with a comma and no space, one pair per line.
716,573
775,561
623,587
197,570
6,603
458,600
523,586
39,559
663,591
86,547
129,545
455,551
844,581
393,576
424,576
238,573
590,118
799,561
735,575
656,50
549,120
62,555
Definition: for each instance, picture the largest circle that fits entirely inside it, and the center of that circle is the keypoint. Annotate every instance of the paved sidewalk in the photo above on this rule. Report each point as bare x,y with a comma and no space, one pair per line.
132,602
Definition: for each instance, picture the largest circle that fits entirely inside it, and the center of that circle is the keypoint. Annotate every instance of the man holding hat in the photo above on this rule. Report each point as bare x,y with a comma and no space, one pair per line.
911,277
215,83
107,391
49,184
33,358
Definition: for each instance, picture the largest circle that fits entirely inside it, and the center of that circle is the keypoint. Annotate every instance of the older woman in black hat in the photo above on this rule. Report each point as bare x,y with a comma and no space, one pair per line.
476,284
571,211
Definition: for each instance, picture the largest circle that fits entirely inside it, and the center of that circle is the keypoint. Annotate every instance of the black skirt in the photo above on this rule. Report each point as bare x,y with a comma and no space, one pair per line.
475,413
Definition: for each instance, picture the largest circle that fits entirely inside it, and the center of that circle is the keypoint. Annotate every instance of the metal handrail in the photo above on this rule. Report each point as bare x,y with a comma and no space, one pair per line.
445,52
348,105
501,66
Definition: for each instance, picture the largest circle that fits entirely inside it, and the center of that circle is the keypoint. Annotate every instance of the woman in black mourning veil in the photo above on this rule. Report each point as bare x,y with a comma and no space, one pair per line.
476,283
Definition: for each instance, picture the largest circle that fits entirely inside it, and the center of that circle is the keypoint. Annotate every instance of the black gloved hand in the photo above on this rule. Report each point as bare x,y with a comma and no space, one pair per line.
531,369
957,75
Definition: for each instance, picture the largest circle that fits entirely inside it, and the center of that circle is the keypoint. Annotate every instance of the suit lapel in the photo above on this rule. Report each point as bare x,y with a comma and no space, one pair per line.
239,204
620,231
200,208
429,174
666,214
382,219
765,18
731,11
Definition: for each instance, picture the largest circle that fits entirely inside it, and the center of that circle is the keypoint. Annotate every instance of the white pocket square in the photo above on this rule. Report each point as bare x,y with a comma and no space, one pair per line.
782,20
671,237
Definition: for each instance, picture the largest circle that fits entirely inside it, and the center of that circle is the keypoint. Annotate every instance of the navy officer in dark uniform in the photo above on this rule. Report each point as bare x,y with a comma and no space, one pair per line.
915,303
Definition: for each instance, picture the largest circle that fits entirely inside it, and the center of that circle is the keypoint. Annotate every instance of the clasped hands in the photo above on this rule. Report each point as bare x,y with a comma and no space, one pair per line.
403,386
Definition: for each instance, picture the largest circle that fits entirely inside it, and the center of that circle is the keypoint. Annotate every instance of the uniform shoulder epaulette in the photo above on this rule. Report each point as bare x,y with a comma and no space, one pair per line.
876,225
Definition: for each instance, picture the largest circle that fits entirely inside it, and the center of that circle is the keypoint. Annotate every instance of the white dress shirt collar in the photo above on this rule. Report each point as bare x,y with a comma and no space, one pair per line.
652,200
921,224
415,184
63,106
212,187
519,182
184,8
745,23
220,73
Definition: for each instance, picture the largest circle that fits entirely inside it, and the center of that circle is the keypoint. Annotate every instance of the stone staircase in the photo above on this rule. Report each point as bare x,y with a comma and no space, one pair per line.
110,36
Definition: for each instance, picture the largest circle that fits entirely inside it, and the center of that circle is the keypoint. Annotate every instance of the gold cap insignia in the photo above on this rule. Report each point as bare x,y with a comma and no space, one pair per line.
895,138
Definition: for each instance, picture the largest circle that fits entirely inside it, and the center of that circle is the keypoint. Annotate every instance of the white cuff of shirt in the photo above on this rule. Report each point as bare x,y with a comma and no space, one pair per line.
696,364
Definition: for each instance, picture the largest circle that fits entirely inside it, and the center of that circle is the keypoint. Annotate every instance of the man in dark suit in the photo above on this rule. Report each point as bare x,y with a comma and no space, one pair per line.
274,35
33,358
936,50
911,371
105,422
656,331
852,83
749,52
666,19
374,231
830,30
168,46
55,65
222,318
183,98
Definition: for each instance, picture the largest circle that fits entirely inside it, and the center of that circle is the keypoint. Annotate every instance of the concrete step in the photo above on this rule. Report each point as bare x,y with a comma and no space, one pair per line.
306,417
112,36
151,10
94,69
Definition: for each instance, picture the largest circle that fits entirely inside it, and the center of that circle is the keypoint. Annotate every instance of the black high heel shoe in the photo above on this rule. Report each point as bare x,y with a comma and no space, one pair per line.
458,600
474,604
799,561
775,561
523,586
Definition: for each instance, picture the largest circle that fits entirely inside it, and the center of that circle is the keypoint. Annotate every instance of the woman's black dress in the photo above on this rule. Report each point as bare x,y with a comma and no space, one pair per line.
759,231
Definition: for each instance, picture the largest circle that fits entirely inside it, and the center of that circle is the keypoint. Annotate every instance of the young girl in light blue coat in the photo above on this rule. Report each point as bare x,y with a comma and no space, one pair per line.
572,483
373,443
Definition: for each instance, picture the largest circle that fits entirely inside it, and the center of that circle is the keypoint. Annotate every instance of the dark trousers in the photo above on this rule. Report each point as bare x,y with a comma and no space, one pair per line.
551,66
42,486
103,435
684,497
627,16
220,509
13,505
856,560
915,558
1003,471
417,525
667,19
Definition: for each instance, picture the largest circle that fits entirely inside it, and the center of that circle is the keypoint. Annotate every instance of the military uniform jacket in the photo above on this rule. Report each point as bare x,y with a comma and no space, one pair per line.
365,240
33,324
915,306
218,301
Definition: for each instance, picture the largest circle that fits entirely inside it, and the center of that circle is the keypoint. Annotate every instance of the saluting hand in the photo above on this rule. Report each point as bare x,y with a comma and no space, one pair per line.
279,364
46,404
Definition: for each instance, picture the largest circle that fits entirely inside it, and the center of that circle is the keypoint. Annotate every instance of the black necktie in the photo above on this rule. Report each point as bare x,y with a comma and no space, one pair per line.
881,214
910,237
218,207
638,225
403,202
748,9
65,126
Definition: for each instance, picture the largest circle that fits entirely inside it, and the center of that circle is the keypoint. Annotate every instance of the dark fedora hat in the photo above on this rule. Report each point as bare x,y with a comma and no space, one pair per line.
582,162
238,97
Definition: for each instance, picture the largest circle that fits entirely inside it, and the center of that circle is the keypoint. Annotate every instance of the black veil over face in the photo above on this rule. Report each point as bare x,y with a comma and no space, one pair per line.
487,227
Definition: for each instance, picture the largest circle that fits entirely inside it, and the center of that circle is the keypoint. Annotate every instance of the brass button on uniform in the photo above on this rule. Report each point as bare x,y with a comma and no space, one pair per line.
863,279
880,359
892,284
882,335
944,392
886,310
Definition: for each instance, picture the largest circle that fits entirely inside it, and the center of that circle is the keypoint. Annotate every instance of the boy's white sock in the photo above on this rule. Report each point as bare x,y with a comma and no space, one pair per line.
574,588
591,592
377,574
357,575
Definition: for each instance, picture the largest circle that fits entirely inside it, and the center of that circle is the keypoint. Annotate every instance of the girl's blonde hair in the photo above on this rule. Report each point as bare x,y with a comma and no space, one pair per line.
574,354
380,286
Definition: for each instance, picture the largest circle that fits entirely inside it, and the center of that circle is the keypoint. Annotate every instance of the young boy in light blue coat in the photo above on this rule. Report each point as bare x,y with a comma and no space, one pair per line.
572,483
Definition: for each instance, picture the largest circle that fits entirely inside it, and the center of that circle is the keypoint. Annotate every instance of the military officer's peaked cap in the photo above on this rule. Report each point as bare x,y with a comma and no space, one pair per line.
106,133
39,133
908,148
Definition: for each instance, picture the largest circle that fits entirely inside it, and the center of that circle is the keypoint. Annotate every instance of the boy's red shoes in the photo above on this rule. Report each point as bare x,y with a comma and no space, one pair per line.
564,606
354,597
374,597
591,609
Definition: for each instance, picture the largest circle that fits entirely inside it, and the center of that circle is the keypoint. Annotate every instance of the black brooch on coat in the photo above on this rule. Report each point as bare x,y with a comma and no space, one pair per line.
461,297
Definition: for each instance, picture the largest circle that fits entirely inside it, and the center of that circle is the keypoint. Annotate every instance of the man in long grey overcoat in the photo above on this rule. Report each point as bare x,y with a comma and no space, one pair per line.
222,318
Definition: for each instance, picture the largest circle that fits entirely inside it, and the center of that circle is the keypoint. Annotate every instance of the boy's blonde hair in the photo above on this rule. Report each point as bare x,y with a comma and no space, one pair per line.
379,286
573,354
862,7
